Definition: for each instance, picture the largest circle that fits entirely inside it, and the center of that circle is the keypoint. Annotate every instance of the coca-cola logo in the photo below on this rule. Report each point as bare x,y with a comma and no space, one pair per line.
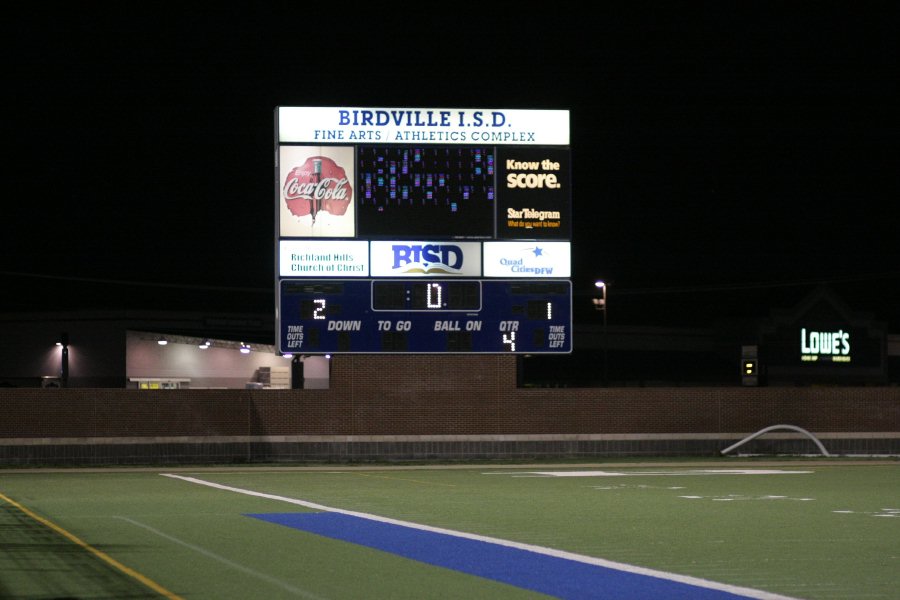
319,184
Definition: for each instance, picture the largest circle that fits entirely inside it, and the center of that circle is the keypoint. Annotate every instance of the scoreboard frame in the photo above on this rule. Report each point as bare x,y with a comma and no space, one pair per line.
404,230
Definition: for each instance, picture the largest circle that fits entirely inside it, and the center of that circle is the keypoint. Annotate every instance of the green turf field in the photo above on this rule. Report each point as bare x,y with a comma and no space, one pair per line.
814,528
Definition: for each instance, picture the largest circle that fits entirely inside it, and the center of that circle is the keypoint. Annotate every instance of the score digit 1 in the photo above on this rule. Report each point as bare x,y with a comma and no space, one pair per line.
540,310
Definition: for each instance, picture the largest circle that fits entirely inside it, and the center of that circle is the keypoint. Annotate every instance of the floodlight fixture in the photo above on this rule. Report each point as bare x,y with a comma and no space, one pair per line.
600,305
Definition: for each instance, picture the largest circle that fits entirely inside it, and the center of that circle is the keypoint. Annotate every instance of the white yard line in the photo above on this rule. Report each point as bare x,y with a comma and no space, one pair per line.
267,578
648,473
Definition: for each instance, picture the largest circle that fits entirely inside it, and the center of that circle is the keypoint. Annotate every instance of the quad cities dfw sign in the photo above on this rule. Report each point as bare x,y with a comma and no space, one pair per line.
423,230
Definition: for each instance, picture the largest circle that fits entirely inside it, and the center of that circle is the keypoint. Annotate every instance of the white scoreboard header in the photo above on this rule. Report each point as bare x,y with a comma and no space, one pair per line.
355,125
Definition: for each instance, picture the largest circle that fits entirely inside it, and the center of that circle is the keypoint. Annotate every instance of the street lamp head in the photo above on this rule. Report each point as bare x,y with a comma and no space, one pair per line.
600,303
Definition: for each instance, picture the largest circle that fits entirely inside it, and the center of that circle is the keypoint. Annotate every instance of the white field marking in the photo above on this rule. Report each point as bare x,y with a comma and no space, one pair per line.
645,473
733,497
686,579
884,512
267,578
625,486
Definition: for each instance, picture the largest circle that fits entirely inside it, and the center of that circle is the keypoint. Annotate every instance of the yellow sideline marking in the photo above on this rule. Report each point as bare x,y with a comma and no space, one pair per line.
98,553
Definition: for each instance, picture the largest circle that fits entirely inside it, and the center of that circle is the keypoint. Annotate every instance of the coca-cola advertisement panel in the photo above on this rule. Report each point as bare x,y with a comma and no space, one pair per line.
316,191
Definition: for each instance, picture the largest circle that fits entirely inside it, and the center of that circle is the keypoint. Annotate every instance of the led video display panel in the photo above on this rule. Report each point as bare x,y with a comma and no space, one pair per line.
426,191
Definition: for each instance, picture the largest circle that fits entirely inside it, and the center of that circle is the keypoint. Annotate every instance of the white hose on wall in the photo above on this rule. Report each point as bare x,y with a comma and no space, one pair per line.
774,427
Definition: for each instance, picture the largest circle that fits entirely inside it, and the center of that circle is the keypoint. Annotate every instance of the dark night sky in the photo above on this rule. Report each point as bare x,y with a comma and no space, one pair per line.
727,156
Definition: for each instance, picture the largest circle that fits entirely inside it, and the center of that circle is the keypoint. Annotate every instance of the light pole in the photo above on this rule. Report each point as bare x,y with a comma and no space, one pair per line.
600,304
64,370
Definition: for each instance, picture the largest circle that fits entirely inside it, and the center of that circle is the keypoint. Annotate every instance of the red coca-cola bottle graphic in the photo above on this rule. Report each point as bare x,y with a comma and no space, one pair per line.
319,184
315,204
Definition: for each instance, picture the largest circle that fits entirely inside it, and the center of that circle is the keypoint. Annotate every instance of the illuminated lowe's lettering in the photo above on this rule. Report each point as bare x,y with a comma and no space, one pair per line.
824,342
446,254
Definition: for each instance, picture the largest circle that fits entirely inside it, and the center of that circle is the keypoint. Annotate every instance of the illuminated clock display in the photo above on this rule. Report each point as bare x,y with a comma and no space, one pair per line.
426,295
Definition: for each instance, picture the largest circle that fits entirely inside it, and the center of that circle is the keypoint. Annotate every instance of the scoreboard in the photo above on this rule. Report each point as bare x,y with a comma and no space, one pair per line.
426,315
422,230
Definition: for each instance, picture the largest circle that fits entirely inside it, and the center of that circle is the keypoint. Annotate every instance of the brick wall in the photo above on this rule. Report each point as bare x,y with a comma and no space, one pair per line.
455,398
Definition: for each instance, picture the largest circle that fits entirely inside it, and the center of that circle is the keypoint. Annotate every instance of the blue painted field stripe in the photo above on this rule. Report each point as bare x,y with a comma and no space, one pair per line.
555,576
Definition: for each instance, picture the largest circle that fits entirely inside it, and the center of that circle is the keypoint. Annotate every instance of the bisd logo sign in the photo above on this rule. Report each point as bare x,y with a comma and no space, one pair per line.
434,257
426,258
